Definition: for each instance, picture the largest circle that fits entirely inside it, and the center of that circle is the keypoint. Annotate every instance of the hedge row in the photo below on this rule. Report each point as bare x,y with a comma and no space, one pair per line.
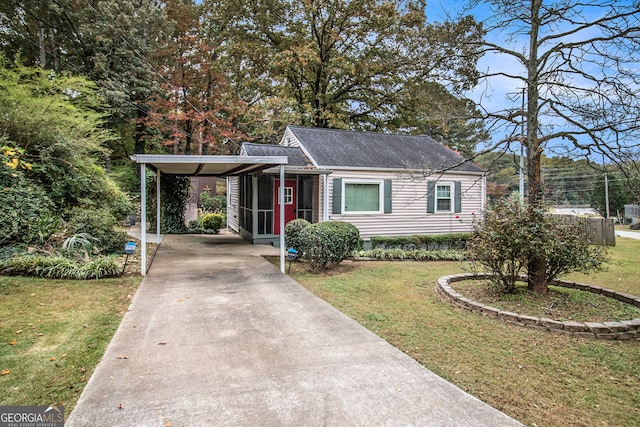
59,267
414,255
430,242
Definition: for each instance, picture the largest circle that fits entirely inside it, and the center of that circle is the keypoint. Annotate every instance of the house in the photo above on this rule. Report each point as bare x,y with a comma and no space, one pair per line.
386,185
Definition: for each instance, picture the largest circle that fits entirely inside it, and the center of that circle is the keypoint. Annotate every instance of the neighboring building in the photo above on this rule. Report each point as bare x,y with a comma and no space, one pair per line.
386,185
199,184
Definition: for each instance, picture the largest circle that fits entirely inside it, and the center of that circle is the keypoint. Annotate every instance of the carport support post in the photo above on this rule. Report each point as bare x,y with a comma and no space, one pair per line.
143,219
281,195
158,207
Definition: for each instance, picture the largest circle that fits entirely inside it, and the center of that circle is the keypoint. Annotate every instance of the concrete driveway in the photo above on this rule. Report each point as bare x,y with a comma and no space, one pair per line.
628,234
217,336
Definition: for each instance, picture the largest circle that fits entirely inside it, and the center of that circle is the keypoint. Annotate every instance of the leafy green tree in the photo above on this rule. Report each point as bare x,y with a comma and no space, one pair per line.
53,119
107,41
338,63
618,191
52,123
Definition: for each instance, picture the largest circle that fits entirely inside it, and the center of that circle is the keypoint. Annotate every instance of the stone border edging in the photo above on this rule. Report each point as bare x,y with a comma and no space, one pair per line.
623,330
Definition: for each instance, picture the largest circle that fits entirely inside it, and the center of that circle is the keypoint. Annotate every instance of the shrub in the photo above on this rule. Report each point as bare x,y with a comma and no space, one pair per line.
506,239
213,221
102,225
415,255
59,267
213,204
500,243
174,195
430,242
79,243
24,203
292,234
329,242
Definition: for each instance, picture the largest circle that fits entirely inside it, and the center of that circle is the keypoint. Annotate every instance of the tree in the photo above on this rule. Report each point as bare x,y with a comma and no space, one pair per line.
577,61
194,114
618,192
108,41
339,63
504,240
55,120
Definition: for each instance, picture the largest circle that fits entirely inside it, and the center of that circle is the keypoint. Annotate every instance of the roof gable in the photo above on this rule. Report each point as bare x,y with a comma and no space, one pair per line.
295,154
331,148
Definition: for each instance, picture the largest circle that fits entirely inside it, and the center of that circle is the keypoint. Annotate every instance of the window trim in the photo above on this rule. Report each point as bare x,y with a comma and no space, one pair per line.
451,198
379,182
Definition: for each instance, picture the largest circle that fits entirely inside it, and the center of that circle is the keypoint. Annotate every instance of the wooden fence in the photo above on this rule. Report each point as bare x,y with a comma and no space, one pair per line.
600,231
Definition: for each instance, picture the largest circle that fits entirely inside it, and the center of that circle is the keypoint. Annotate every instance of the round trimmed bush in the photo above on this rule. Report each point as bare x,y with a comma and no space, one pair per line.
329,242
292,233
213,221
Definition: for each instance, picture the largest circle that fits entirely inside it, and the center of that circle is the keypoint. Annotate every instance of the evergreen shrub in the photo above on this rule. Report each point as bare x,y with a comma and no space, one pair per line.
101,225
422,242
329,242
213,221
292,234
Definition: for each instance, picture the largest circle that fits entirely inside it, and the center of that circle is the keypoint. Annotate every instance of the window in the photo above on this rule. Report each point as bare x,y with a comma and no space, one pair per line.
443,198
288,195
361,197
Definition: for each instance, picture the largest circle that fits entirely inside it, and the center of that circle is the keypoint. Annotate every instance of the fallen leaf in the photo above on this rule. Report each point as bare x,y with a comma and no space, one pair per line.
39,335
14,342
179,300
51,359
19,331
168,423
123,357
162,343
5,372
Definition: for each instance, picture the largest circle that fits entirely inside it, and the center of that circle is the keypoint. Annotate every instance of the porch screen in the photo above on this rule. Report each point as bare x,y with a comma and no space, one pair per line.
362,197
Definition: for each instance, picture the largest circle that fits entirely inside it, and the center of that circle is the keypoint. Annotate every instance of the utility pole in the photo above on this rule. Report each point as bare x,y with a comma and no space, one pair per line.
521,188
606,182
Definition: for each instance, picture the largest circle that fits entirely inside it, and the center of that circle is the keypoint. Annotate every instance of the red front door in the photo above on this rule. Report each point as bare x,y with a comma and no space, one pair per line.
290,203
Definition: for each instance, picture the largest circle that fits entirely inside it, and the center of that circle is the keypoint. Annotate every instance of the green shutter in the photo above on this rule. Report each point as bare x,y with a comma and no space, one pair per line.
457,190
431,197
337,196
387,196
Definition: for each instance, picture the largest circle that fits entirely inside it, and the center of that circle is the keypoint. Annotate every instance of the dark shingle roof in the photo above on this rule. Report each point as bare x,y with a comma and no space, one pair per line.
295,154
335,148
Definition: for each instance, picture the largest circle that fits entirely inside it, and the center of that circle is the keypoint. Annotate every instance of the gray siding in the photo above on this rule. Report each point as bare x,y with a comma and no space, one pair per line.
409,205
233,203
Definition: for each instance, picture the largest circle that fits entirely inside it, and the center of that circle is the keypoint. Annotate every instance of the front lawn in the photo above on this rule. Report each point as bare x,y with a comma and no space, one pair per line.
53,334
537,377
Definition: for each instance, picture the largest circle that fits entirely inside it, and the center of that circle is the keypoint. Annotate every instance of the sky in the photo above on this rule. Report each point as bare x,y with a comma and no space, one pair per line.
500,92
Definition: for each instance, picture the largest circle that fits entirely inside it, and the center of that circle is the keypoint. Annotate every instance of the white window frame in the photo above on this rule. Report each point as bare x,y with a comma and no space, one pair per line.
452,197
288,196
379,182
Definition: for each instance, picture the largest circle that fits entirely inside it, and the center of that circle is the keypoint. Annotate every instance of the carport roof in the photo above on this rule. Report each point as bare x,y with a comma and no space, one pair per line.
197,165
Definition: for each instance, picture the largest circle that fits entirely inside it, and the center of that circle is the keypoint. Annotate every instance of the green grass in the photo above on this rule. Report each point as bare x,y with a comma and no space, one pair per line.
53,334
539,378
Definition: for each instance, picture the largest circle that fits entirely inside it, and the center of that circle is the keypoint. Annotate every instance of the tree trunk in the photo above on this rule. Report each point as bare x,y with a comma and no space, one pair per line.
537,265
140,130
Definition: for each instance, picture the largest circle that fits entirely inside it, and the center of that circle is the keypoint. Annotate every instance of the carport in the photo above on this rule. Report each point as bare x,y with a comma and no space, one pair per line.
198,165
